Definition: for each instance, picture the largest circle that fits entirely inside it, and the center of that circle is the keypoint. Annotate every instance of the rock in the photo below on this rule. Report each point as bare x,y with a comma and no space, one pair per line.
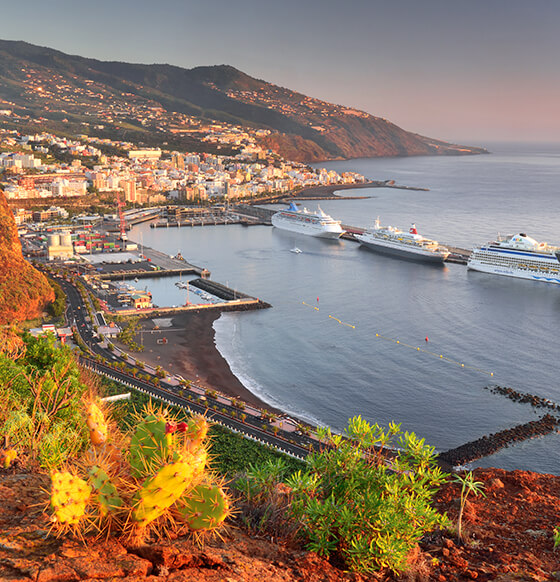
538,533
495,484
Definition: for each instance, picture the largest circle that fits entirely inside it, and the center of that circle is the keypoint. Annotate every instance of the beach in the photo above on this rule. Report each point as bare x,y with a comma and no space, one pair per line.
191,352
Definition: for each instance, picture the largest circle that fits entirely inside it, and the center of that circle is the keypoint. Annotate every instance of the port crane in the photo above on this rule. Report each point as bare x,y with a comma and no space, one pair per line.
122,227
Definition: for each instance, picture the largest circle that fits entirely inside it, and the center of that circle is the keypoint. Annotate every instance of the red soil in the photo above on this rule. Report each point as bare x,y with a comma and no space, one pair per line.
509,537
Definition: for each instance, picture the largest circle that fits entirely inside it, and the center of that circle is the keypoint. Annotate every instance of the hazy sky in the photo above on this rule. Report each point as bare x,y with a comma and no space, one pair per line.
471,71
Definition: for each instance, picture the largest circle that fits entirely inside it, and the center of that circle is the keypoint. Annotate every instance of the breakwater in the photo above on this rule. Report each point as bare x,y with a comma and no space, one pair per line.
524,397
490,444
219,290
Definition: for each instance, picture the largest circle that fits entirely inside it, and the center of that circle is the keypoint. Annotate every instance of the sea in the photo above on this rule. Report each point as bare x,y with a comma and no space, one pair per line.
352,332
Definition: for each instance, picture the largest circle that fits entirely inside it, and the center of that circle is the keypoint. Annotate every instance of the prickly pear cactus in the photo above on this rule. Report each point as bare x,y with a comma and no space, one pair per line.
69,498
204,508
152,486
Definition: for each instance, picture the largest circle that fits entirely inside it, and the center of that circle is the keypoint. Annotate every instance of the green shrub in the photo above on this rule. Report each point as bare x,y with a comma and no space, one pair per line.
355,501
41,393
57,307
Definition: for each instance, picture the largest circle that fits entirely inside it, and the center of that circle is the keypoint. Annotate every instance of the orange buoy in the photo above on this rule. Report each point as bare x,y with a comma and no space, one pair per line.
427,338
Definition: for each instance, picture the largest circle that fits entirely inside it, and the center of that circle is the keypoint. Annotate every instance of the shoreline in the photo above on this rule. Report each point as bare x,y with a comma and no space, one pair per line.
191,352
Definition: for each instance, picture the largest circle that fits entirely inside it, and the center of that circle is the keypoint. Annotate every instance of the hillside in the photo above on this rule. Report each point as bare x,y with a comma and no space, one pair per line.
509,534
24,292
163,104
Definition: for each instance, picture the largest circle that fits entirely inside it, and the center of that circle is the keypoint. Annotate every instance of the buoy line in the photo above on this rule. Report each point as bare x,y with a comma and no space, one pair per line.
439,356
342,322
415,348
330,316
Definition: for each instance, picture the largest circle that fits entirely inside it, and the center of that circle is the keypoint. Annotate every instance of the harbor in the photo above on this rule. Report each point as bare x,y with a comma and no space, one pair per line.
108,276
108,272
336,371
371,310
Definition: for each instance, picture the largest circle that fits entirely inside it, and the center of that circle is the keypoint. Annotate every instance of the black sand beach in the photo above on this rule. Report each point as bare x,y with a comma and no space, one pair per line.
191,352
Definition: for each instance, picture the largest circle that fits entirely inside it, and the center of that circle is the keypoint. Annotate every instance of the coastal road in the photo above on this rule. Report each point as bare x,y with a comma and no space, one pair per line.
77,313
167,396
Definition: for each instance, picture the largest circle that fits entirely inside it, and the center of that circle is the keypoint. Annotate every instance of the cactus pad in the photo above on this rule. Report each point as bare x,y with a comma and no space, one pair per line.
96,424
69,497
196,431
106,492
150,445
204,507
159,492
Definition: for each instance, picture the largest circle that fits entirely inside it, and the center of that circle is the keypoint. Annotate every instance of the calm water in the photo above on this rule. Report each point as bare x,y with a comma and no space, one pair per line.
318,369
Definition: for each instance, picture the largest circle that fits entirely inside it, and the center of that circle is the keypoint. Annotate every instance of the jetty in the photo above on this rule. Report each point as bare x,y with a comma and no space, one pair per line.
488,445
149,263
181,216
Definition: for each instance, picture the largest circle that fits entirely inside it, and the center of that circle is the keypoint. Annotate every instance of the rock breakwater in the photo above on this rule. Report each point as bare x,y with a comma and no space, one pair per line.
490,444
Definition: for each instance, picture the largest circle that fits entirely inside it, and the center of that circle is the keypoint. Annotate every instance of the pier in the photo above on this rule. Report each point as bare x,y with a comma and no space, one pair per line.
457,255
248,304
180,216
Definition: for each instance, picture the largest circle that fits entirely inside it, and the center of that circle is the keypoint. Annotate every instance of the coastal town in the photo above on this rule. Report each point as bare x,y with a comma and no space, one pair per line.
30,170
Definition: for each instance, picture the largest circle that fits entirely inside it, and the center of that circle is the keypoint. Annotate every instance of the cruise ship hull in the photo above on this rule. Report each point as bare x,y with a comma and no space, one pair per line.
518,264
307,228
396,250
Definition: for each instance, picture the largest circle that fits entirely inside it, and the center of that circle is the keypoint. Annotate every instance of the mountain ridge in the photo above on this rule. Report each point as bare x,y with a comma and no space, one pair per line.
306,128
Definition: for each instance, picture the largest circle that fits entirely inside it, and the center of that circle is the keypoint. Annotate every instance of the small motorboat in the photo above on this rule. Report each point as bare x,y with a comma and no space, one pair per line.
296,250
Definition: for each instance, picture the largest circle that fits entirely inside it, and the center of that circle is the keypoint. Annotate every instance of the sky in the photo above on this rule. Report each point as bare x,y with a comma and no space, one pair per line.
467,72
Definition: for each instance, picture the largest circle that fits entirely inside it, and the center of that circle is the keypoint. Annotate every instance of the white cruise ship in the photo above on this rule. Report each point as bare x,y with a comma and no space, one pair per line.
390,240
312,223
517,256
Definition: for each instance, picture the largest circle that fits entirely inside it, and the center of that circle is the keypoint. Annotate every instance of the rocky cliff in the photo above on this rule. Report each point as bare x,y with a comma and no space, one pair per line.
24,292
